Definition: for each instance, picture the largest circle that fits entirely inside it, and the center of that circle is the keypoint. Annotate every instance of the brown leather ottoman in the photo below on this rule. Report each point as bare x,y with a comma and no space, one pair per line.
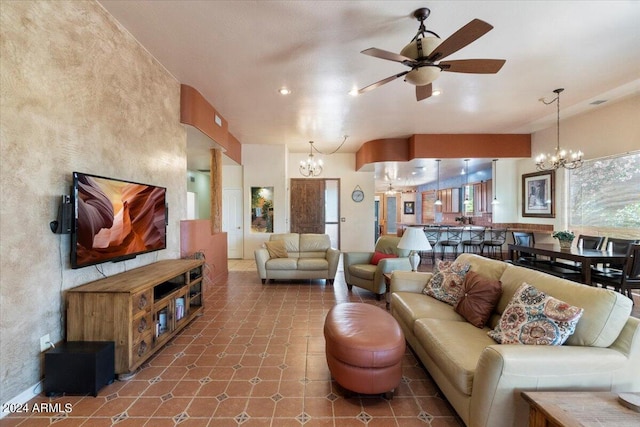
364,348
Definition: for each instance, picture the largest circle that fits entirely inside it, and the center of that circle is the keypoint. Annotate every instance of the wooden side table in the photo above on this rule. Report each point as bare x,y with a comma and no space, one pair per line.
387,289
578,409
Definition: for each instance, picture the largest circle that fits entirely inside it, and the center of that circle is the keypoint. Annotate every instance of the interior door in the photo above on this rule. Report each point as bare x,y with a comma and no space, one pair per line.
232,221
307,206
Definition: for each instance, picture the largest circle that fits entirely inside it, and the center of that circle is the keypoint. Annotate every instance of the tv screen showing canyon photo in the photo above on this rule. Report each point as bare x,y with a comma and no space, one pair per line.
116,220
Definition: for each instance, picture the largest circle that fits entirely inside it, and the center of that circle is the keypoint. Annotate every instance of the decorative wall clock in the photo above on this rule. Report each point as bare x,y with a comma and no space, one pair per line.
358,194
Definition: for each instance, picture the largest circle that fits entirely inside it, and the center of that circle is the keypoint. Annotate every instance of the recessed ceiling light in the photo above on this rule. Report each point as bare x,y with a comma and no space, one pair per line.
436,92
353,92
284,91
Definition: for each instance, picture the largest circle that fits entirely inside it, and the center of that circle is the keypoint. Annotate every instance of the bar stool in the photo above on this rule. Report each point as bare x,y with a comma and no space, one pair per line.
475,241
433,236
452,240
497,237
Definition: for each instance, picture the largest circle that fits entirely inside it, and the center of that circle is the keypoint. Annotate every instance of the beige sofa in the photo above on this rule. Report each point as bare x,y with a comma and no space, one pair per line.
308,256
482,379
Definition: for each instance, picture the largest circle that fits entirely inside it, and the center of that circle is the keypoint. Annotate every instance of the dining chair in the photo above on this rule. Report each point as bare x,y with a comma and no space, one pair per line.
451,239
626,279
616,246
494,241
524,238
590,242
631,280
475,241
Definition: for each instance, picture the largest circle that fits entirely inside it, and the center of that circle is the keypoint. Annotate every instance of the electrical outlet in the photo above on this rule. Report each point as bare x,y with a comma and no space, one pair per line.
45,343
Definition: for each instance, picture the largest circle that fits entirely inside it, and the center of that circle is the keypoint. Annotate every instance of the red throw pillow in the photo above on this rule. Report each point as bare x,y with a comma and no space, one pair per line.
479,298
377,256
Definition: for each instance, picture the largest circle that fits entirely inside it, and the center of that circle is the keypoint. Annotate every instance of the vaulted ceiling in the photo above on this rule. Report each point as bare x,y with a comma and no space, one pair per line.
238,54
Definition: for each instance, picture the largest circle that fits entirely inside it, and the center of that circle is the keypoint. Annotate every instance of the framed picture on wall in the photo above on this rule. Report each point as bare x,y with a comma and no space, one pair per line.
262,209
538,194
409,208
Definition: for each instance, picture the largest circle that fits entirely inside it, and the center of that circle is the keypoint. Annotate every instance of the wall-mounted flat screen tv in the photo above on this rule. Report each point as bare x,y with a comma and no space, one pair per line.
115,220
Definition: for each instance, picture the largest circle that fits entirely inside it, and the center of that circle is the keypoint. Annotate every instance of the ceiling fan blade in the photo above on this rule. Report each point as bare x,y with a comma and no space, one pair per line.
384,54
456,41
423,92
476,66
381,82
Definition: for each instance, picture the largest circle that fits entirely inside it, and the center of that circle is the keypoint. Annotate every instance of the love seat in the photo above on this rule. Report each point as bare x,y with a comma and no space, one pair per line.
297,256
483,379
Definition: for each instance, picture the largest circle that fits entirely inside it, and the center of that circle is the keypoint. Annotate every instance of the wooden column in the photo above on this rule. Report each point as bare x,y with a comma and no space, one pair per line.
216,191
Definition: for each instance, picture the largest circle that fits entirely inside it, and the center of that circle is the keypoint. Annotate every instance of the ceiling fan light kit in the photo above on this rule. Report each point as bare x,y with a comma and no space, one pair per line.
424,50
422,76
420,48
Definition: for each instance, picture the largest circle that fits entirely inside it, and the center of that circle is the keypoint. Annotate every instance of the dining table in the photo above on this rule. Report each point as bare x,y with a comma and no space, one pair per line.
584,257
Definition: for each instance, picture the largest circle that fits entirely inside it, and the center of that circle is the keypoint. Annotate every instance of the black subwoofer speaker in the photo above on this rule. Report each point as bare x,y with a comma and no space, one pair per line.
79,367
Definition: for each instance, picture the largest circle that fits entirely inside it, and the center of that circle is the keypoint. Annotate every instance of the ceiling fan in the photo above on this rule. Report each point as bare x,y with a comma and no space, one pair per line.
424,50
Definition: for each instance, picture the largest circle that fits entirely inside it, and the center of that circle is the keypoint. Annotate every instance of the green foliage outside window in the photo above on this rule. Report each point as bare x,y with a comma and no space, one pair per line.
606,193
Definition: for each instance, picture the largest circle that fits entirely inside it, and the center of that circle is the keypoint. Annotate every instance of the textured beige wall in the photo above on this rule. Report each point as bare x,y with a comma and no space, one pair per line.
77,93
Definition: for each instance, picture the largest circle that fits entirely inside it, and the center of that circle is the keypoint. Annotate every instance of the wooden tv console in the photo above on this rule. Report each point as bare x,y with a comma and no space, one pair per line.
140,309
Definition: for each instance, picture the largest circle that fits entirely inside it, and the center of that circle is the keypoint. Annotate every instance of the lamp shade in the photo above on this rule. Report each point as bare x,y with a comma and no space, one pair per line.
422,76
414,239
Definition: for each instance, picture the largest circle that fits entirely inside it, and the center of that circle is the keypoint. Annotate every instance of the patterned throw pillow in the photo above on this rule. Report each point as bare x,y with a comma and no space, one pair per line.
533,317
446,283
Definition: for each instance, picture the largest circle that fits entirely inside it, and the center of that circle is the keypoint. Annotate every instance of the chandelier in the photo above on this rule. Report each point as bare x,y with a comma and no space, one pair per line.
310,167
560,159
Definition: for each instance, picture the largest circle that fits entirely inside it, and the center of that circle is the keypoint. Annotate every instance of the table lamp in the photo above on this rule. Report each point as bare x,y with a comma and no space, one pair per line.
414,240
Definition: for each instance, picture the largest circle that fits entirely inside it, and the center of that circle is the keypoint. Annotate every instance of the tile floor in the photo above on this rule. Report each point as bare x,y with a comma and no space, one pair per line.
255,358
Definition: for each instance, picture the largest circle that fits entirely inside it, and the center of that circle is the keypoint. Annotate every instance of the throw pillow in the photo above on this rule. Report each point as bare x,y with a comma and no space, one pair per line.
446,283
378,256
277,249
533,317
479,297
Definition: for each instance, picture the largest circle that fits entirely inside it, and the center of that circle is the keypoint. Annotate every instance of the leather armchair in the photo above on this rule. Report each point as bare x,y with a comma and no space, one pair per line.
358,270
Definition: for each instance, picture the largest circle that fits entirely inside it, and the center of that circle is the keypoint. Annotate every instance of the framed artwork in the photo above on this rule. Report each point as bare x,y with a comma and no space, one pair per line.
262,209
409,208
538,194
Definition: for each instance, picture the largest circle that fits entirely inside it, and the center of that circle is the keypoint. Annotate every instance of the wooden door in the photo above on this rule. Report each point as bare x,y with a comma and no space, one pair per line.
307,206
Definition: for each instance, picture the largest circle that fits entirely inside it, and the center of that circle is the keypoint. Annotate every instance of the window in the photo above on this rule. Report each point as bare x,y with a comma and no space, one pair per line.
604,194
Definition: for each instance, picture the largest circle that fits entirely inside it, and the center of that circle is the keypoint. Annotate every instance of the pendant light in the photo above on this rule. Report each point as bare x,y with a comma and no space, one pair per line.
560,159
390,191
495,176
438,201
466,185
310,167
